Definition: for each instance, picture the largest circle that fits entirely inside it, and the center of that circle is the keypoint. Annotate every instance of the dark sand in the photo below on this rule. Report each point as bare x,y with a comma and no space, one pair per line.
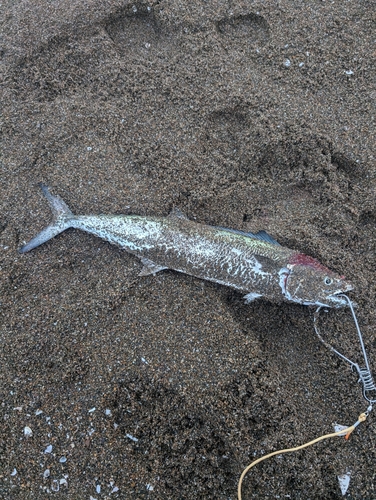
251,115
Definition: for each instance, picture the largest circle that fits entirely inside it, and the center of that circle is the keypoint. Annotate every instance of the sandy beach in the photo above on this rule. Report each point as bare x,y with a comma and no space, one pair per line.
253,115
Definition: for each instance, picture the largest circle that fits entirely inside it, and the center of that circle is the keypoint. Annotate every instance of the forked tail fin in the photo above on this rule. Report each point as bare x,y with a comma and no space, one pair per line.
62,220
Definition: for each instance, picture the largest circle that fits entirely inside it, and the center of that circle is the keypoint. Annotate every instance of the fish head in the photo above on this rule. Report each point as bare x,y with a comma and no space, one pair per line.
308,282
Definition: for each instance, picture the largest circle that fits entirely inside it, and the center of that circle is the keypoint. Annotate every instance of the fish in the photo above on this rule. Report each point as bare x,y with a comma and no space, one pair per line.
252,263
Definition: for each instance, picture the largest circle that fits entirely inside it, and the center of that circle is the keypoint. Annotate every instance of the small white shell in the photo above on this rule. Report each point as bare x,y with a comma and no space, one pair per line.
344,482
55,485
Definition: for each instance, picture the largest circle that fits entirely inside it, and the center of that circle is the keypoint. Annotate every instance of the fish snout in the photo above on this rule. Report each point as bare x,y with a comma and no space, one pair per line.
344,287
338,301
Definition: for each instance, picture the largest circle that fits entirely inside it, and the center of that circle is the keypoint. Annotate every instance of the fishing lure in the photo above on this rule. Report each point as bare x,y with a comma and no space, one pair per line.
253,263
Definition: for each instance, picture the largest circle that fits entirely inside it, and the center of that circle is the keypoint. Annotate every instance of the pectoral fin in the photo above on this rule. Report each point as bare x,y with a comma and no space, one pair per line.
150,267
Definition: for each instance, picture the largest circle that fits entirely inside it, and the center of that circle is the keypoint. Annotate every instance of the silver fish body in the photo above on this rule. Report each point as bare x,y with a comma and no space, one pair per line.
251,263
209,253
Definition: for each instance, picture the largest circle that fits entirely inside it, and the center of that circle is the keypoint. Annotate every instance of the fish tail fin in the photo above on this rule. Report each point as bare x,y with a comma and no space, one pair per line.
62,220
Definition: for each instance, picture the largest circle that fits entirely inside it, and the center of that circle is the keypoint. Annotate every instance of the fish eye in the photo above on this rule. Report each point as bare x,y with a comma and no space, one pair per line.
328,281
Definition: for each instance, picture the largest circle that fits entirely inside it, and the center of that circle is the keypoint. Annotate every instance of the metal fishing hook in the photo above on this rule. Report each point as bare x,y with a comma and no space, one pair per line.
365,375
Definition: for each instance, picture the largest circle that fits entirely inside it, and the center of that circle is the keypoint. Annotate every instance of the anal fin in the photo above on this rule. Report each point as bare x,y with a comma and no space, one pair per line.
250,297
150,267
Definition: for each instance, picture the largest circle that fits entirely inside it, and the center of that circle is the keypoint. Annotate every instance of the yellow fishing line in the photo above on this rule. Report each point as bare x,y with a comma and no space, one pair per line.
345,432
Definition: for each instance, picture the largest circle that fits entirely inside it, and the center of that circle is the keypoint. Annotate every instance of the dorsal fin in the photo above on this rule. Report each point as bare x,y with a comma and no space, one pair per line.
261,235
264,236
176,213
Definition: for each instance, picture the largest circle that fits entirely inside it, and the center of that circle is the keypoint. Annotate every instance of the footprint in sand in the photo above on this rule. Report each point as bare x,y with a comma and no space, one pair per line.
251,28
136,32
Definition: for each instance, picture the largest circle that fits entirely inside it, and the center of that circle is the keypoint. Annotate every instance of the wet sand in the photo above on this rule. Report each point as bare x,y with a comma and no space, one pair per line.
249,115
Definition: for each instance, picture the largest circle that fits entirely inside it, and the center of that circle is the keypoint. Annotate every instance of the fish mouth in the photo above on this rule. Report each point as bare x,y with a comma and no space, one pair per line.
338,301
